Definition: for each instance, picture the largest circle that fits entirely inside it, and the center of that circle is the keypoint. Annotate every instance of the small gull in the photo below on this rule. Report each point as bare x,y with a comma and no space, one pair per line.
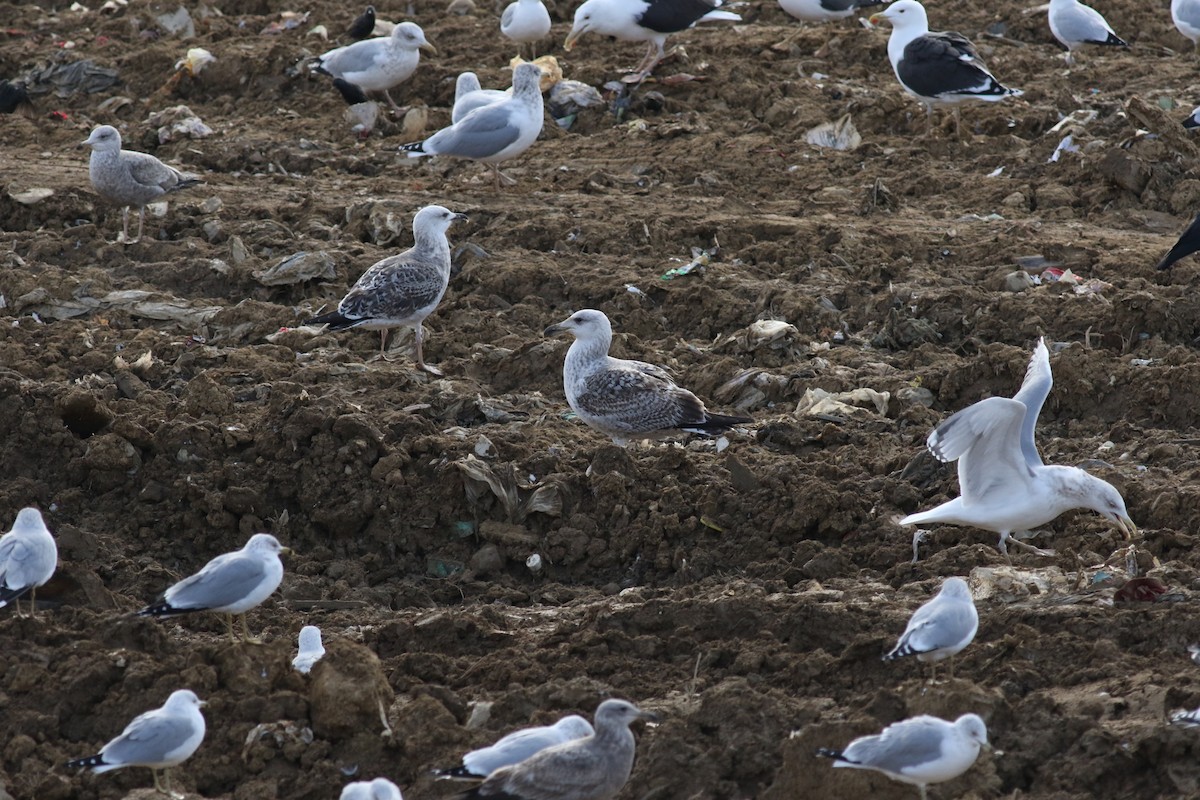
626,399
526,21
378,789
401,290
937,68
516,747
1004,485
128,178
1186,719
378,65
918,751
825,10
232,583
1075,24
594,767
158,739
309,649
469,95
363,25
650,21
493,133
1186,15
28,557
1189,242
940,628
1193,120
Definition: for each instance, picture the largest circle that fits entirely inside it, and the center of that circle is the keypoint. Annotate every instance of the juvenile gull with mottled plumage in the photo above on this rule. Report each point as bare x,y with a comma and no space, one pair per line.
595,767
918,751
516,747
128,178
401,290
159,739
626,399
937,68
1004,485
941,628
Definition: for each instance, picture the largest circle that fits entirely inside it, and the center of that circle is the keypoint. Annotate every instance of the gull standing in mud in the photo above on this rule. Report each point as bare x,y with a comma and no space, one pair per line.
516,747
937,68
28,556
230,584
380,64
526,22
127,178
309,649
378,789
918,751
627,400
941,628
158,739
650,21
493,133
595,767
1004,485
469,95
401,290
1075,24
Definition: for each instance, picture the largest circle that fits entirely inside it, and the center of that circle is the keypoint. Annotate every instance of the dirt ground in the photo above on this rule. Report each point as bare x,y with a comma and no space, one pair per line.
158,404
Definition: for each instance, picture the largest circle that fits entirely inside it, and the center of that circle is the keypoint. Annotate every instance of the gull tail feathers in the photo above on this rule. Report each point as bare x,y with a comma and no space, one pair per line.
91,762
162,609
414,149
336,320
459,773
836,755
716,423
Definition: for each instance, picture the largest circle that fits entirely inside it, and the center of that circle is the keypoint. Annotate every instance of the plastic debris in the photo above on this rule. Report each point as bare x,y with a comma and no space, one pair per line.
534,562
518,498
1067,145
1140,590
288,20
1186,719
195,61
818,402
66,79
178,23
178,122
297,268
31,196
551,71
443,567
569,97
701,258
362,118
837,135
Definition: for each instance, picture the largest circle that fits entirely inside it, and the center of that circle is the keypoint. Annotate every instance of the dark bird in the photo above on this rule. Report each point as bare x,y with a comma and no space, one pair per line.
363,25
13,95
351,93
1193,120
1188,243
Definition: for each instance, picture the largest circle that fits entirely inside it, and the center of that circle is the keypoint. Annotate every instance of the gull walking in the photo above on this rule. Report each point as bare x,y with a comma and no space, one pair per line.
627,399
1004,485
941,628
493,133
231,584
380,64
516,747
127,178
401,290
937,68
28,556
918,751
158,739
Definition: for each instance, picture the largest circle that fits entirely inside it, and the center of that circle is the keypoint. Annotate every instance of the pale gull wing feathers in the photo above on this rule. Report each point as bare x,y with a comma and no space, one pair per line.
1034,391
155,737
147,171
222,582
20,563
356,58
901,746
1075,23
520,745
985,439
479,135
506,19
559,772
942,623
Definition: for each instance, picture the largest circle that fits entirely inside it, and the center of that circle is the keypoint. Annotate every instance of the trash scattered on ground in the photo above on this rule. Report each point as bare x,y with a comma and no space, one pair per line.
818,402
177,23
288,20
66,79
838,135
178,122
194,62
297,268
701,258
31,196
1067,145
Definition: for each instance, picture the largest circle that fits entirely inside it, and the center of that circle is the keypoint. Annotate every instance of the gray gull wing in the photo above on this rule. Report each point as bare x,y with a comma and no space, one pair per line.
901,746
222,582
985,438
148,171
482,133
1033,393
151,738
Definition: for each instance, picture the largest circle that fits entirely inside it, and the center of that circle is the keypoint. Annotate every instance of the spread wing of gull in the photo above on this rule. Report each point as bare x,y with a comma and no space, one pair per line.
985,438
629,398
222,582
395,288
1033,393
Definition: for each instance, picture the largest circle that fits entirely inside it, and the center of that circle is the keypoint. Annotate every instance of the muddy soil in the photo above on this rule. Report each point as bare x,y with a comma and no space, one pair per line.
159,405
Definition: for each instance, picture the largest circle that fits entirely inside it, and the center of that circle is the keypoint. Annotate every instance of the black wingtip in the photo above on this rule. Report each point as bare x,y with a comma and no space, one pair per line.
1191,122
161,609
334,319
825,752
413,147
902,651
457,773
86,763
1116,41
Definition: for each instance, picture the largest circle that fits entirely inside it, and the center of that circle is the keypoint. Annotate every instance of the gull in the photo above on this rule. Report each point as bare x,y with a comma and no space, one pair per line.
378,789
309,649
1075,24
595,767
469,95
378,65
1004,484
650,21
825,10
627,399
940,628
1193,120
516,747
1189,240
401,290
937,68
493,133
918,751
525,21
158,739
28,556
231,584
1186,16
128,178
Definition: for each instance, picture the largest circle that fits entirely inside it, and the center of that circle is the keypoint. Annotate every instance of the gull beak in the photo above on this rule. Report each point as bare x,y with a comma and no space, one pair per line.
557,327
572,38
1127,527
286,551
203,703
429,48
460,216
650,716
875,19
